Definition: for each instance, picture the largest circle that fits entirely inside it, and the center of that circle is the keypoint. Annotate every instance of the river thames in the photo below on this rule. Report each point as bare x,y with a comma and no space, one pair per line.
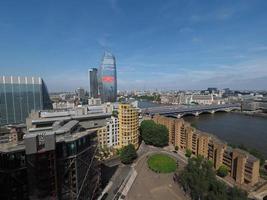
234,128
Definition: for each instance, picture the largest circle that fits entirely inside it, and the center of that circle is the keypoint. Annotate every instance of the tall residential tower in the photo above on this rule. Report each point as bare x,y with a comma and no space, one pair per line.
93,82
107,78
128,125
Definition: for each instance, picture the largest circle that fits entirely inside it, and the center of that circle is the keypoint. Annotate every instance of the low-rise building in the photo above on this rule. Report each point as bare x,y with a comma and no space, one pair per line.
202,99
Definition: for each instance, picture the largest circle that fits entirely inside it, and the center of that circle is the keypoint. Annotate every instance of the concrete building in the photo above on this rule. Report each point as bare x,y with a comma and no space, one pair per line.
255,104
128,125
19,96
94,101
242,166
87,118
202,99
102,137
108,136
113,132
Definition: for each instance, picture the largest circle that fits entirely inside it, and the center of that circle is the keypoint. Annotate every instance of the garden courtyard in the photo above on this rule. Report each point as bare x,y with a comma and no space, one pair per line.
155,185
161,163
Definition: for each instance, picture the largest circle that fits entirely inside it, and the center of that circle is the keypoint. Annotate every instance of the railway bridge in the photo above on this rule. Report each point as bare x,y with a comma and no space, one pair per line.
180,110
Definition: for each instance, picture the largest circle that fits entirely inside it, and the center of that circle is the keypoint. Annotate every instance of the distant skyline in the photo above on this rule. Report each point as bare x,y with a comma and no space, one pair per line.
167,44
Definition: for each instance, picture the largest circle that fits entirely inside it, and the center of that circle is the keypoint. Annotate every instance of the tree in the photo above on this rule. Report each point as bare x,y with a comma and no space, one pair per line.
128,154
222,171
198,179
236,194
188,153
115,113
154,134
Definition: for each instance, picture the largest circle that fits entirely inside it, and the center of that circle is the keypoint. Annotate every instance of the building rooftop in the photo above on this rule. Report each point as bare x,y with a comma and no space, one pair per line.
20,80
250,157
74,136
68,127
68,118
11,147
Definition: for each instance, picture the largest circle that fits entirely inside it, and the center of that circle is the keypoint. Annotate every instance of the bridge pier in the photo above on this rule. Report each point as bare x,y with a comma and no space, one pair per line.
179,116
212,112
196,114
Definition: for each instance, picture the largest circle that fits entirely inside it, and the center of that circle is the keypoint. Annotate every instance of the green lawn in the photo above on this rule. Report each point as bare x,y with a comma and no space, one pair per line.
161,163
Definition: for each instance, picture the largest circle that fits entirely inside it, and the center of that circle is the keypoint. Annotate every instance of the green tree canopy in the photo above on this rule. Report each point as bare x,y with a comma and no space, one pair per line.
199,180
154,134
188,153
222,171
128,154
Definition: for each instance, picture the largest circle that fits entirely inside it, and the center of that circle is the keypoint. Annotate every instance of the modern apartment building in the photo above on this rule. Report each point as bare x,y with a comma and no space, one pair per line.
102,137
242,166
19,96
128,125
108,135
51,164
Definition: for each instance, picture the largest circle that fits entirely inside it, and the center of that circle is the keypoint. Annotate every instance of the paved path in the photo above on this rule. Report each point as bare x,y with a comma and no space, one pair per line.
117,180
149,185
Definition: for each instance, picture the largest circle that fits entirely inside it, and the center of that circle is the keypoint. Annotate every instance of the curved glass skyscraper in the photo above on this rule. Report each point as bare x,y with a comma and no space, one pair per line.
19,96
107,77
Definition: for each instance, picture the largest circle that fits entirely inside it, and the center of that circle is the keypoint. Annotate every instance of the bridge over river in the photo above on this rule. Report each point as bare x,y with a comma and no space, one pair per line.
179,111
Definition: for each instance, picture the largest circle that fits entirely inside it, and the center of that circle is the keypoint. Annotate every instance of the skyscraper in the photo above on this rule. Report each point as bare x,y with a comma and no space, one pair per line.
20,95
107,78
93,82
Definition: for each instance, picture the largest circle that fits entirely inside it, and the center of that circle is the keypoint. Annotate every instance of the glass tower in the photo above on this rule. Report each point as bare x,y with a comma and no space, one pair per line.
108,78
19,96
93,82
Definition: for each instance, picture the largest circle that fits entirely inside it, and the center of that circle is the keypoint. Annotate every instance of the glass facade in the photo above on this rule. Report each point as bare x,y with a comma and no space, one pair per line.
93,83
108,78
19,96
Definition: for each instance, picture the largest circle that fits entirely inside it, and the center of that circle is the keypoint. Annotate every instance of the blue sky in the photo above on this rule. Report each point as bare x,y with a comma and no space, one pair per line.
164,44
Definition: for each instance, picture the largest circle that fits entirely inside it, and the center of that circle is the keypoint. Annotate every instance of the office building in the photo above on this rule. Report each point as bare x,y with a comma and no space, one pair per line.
13,172
94,102
212,90
107,78
93,83
89,119
51,164
80,92
128,125
19,96
242,166
202,99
